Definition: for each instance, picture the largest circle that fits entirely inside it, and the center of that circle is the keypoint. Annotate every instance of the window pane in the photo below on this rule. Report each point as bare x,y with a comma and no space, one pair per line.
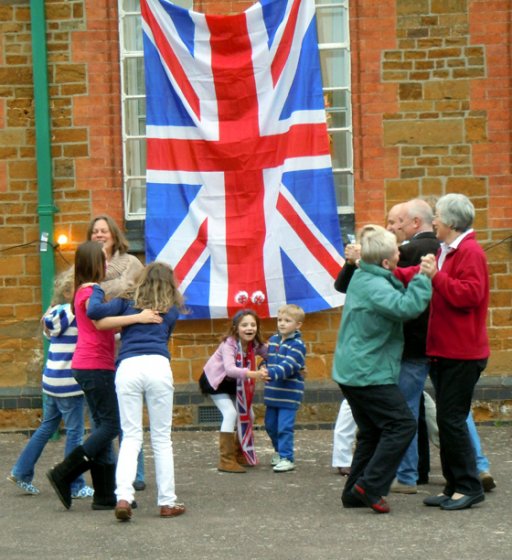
134,76
136,157
136,197
341,149
132,33
335,67
131,5
135,117
331,25
343,182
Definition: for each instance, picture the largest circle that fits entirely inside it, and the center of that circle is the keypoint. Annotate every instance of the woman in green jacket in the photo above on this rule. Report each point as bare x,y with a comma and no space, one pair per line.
367,363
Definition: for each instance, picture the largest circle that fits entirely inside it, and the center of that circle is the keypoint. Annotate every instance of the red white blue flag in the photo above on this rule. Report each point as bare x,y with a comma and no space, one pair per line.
240,193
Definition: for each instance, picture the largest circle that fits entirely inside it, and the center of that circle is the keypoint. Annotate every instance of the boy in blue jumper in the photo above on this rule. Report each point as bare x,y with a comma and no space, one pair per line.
283,393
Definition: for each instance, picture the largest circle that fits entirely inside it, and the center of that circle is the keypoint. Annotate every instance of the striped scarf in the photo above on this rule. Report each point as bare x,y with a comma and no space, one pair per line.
244,395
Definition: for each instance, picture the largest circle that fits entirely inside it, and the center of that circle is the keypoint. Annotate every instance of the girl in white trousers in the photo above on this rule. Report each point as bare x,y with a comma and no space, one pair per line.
144,371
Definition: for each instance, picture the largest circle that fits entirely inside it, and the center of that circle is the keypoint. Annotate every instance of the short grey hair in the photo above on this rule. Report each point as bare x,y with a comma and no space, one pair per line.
377,244
456,211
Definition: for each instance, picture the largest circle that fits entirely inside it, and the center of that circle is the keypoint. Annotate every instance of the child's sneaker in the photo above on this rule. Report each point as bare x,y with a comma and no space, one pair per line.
275,459
27,487
284,465
84,492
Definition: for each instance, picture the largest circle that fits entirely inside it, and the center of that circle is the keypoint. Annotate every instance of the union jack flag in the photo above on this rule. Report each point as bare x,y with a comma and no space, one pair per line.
240,193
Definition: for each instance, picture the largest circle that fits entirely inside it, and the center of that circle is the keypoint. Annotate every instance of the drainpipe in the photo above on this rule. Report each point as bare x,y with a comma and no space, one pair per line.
45,208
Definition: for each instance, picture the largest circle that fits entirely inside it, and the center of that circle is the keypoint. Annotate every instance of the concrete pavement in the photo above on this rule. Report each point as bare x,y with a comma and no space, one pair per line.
258,515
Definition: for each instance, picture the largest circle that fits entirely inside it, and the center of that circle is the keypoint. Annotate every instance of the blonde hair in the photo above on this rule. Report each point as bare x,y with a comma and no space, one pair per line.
377,244
294,311
63,287
156,289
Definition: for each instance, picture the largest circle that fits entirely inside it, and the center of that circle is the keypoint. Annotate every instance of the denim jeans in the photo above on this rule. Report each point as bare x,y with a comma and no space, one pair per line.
69,409
99,390
413,374
482,462
280,427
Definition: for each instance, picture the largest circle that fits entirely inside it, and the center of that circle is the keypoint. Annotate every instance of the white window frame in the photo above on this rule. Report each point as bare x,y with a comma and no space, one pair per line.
134,157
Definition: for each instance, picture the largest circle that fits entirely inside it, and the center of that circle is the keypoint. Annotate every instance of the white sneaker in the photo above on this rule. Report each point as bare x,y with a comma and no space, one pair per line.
275,459
84,492
284,465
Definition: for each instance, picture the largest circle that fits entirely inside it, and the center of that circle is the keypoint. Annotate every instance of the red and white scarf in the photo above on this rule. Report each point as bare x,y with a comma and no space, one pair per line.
244,395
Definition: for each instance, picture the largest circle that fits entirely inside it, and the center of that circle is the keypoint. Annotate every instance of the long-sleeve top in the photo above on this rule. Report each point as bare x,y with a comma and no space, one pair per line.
95,349
285,360
458,311
140,338
60,326
370,339
122,274
222,363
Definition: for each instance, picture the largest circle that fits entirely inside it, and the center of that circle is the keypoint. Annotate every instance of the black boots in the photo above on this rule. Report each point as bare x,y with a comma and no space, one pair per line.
63,474
104,483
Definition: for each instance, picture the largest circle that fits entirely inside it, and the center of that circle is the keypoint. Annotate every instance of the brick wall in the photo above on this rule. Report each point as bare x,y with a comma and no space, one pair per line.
431,98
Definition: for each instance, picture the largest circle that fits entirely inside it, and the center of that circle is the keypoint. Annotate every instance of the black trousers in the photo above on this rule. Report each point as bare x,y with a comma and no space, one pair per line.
386,427
454,382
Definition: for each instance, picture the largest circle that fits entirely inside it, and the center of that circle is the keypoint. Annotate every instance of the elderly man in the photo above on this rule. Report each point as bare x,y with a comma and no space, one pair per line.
415,224
394,221
457,344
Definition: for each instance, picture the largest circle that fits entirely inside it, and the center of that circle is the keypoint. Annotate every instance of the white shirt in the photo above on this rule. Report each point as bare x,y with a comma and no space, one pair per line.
448,248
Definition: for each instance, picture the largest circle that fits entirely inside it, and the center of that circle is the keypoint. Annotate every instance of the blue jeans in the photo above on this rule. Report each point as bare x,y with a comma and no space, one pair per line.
280,427
482,463
99,390
413,374
69,409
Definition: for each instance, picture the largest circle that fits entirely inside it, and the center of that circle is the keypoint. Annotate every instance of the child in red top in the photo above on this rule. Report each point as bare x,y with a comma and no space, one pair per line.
93,368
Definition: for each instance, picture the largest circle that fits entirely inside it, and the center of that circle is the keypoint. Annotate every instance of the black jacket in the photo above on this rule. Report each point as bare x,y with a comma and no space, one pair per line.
415,331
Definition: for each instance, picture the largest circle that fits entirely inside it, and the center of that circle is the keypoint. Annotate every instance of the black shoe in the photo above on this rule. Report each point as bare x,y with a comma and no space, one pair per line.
436,501
422,480
139,485
349,501
462,503
377,503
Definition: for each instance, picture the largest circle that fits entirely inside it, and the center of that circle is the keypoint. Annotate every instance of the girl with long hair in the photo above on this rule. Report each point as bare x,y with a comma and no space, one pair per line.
143,370
228,376
93,368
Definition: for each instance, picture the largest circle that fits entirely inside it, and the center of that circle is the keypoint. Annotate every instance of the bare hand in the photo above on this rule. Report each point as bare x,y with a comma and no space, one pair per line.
428,266
352,253
149,316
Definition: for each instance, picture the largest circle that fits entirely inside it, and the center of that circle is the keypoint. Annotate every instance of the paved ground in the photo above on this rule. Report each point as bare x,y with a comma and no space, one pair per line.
258,515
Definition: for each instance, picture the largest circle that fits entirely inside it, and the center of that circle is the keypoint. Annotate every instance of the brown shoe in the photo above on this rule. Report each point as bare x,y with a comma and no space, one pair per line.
344,471
487,481
123,510
172,511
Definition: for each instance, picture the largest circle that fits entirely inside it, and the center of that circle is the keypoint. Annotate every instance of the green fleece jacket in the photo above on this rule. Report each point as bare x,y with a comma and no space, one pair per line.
370,339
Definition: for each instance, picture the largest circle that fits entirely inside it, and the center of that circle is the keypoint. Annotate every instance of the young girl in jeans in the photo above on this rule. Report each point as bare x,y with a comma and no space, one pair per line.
93,368
144,371
224,375
63,398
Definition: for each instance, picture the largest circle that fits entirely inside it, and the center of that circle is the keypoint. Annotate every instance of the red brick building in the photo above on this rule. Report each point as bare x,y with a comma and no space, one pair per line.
427,111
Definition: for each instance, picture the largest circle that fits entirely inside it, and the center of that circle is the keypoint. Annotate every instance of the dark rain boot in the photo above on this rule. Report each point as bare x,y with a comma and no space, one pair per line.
63,474
104,483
